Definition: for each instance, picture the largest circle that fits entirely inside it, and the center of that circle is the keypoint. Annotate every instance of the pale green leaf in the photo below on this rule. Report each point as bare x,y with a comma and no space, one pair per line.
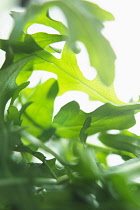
33,14
71,78
38,116
85,23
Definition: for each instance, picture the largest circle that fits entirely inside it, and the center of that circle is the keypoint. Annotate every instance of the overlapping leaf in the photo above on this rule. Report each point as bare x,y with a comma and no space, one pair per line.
74,178
39,114
100,52
91,17
71,78
66,68
70,119
69,75
8,82
126,141
33,14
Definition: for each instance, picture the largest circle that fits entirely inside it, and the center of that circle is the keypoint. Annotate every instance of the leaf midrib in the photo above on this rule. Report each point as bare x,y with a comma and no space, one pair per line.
104,118
79,81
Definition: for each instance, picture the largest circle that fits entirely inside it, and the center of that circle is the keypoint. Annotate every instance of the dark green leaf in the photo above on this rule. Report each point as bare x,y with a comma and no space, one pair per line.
21,148
14,115
83,135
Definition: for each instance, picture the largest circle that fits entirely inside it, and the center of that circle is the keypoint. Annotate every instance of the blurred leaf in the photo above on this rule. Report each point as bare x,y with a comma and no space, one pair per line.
21,148
8,84
17,91
83,135
38,116
24,107
87,166
122,188
14,115
126,141
9,137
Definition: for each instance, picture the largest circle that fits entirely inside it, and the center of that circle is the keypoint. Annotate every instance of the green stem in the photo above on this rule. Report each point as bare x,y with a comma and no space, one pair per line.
19,181
109,150
36,142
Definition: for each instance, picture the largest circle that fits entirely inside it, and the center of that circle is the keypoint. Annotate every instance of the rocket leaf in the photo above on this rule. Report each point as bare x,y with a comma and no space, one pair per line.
8,82
92,17
71,78
70,119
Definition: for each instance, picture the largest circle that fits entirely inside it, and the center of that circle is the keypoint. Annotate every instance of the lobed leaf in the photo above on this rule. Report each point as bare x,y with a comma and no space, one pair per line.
71,78
101,54
126,141
70,119
91,16
33,14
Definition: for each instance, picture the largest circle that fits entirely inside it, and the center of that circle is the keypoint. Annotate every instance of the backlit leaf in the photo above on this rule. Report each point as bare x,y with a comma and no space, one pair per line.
8,82
71,78
126,141
38,115
70,119
91,16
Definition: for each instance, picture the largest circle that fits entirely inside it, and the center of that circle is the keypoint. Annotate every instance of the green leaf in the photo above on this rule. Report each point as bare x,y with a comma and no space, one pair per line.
21,148
71,78
9,137
101,54
33,14
91,16
8,84
38,116
17,91
44,39
126,141
70,119
87,166
14,115
33,43
109,117
66,68
83,135
24,107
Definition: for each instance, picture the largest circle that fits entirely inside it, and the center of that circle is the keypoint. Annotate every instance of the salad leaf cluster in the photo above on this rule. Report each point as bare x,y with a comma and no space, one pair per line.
46,159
